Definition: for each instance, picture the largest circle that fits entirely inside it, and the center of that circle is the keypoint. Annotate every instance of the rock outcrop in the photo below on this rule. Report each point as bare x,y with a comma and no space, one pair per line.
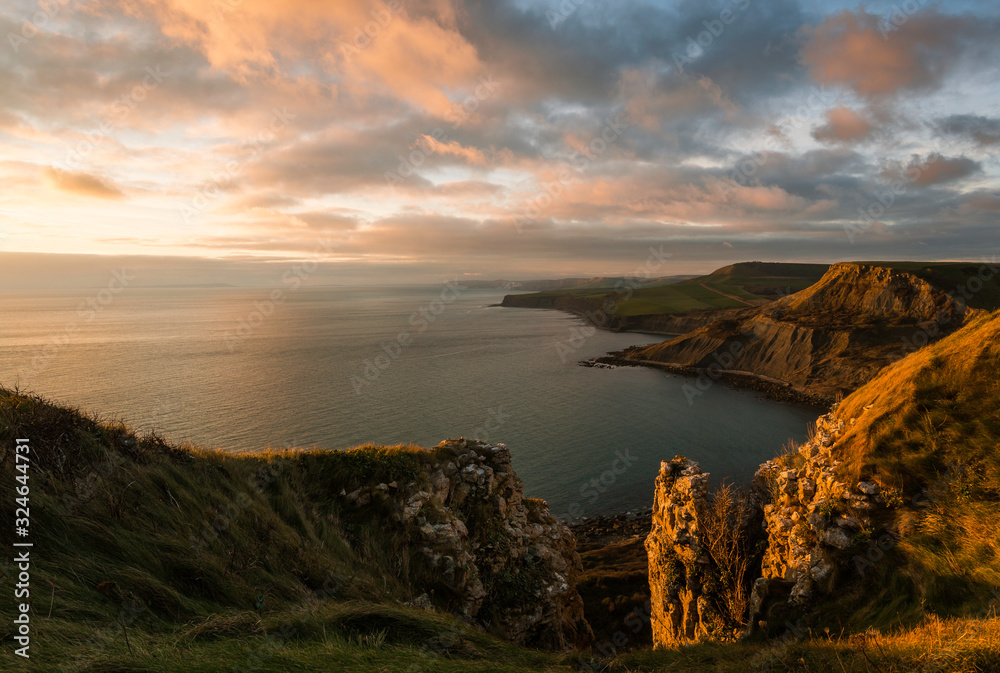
829,338
678,562
813,519
480,549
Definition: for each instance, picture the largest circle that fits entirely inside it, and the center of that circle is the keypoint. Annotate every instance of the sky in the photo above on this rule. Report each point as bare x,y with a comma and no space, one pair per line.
421,140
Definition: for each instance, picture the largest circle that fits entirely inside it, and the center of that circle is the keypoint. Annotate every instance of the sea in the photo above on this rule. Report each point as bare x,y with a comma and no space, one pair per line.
243,369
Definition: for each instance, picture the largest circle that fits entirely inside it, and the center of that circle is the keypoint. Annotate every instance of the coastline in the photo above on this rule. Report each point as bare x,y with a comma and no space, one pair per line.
770,388
767,387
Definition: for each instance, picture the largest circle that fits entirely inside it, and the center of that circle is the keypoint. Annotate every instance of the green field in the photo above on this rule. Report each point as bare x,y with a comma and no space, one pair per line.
756,283
752,282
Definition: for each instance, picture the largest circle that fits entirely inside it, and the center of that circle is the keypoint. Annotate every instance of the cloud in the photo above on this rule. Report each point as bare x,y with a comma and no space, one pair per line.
83,183
934,169
981,200
843,125
983,130
471,155
412,49
850,49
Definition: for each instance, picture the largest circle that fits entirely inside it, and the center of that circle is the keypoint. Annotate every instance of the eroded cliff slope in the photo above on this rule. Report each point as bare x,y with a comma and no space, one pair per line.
829,338
886,514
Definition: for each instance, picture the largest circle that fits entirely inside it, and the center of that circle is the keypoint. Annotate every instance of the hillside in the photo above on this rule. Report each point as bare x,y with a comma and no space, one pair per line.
556,284
883,521
836,334
922,442
195,546
152,557
677,307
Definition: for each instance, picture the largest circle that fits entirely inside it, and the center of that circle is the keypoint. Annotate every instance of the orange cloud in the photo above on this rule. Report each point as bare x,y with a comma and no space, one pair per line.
843,125
936,169
849,48
82,183
471,155
411,49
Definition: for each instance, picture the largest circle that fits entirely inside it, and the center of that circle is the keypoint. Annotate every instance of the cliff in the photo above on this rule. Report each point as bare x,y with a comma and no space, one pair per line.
487,552
827,339
679,564
884,515
182,546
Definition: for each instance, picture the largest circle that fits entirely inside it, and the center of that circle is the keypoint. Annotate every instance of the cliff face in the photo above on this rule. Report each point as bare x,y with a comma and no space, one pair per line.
891,501
678,563
813,517
482,550
812,520
831,337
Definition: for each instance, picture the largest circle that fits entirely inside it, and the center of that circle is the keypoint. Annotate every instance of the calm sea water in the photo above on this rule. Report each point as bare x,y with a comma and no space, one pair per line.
203,365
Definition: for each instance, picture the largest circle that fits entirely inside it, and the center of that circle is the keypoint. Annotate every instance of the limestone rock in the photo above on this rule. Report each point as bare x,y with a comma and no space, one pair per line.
681,613
482,551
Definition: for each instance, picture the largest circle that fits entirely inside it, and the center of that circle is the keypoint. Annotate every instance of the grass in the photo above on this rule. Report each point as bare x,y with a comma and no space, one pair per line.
754,283
953,645
926,430
957,278
187,548
750,282
214,562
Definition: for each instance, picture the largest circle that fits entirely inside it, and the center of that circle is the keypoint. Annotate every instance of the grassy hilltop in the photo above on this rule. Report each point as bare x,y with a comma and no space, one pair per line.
734,286
744,284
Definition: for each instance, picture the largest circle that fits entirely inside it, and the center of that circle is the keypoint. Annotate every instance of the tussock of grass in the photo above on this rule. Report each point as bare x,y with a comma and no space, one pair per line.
928,428
953,645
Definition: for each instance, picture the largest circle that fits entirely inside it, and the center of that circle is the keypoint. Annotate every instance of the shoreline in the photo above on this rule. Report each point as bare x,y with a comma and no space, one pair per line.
586,319
768,388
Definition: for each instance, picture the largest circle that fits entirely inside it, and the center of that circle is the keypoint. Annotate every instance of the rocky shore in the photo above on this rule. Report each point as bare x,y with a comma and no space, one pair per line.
769,388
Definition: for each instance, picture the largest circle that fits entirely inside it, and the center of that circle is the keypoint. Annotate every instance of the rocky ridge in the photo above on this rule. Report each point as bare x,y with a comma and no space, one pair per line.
829,338
681,610
812,517
813,520
480,549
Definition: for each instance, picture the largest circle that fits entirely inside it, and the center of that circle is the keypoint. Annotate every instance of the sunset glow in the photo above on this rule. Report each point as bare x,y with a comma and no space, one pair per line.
423,138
